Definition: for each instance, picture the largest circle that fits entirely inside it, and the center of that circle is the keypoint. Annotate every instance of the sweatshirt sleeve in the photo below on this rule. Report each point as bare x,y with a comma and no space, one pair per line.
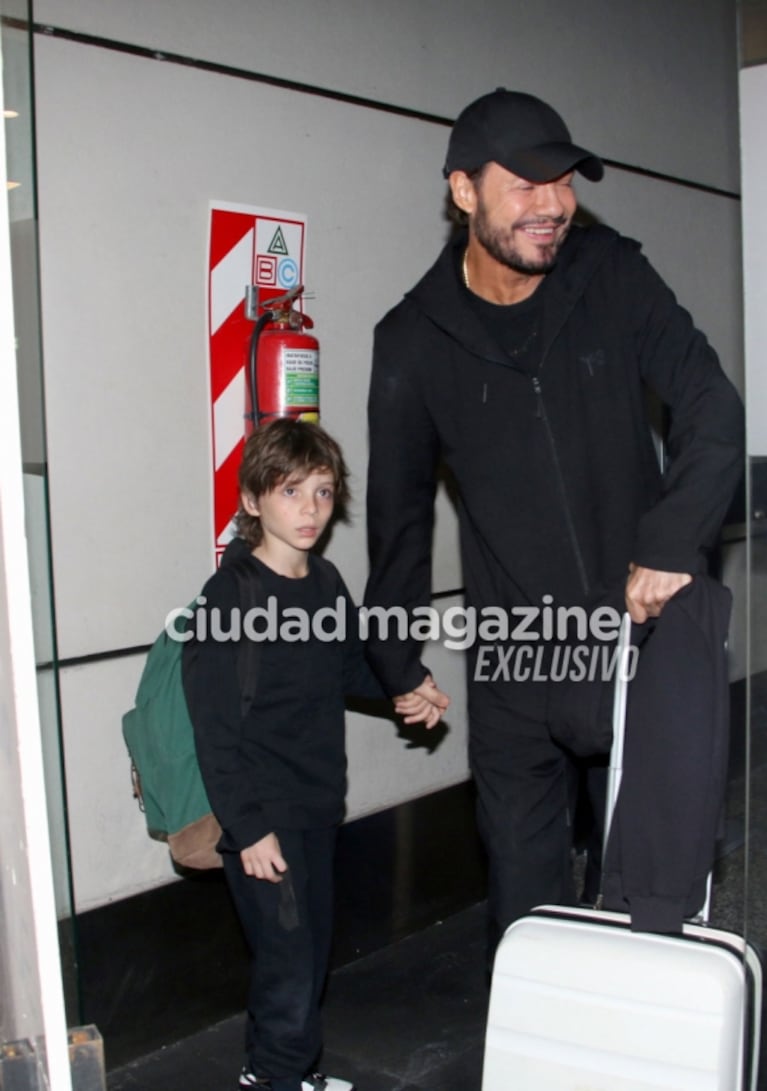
401,488
212,690
359,679
706,436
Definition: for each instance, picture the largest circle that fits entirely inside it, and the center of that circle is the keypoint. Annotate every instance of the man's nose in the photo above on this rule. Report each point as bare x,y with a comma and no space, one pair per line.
548,200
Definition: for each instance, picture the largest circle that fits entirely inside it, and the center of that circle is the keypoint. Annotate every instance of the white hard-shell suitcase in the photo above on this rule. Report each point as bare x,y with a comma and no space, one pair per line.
579,1002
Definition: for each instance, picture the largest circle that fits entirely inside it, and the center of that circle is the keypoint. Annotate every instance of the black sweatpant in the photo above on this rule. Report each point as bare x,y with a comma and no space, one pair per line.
526,794
288,927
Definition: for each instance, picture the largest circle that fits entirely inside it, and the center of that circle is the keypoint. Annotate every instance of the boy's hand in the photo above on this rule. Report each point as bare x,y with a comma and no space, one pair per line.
425,704
264,859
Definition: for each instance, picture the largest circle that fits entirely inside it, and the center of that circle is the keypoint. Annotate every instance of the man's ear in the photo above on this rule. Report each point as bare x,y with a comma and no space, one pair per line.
463,190
248,501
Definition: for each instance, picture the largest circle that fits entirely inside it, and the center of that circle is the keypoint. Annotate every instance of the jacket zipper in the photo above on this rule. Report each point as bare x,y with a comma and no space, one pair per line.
543,416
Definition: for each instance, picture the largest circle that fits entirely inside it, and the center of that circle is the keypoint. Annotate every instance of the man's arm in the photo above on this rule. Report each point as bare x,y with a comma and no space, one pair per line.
706,437
404,451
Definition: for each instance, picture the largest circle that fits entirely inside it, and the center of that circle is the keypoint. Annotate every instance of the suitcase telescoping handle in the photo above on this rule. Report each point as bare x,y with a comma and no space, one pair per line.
620,695
615,768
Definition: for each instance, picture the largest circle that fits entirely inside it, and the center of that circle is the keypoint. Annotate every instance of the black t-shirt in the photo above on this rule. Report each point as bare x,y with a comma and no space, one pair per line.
514,326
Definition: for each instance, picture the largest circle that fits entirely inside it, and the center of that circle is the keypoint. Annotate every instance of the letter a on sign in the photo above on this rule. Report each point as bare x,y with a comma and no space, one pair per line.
277,245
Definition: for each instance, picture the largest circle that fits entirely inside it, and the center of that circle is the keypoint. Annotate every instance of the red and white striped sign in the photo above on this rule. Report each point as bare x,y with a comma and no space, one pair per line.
246,246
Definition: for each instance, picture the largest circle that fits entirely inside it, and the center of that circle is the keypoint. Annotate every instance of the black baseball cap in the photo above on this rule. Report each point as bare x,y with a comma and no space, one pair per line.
522,134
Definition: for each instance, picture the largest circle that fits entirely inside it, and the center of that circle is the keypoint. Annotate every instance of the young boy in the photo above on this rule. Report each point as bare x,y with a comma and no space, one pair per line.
276,777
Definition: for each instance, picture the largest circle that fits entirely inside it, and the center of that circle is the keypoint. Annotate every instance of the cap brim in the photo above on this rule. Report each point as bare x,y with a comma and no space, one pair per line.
549,161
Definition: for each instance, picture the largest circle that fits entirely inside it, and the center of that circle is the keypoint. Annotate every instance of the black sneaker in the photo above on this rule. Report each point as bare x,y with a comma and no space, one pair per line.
315,1081
247,1079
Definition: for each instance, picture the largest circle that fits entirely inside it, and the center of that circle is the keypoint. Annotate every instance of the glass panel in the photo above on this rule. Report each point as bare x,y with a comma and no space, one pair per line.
752,15
756,696
16,49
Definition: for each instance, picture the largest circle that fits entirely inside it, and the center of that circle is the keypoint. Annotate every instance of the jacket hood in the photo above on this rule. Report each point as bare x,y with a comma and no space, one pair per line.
439,294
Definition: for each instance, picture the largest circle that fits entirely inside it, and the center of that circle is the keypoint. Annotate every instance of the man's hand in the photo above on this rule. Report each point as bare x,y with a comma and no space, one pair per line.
264,859
648,591
426,704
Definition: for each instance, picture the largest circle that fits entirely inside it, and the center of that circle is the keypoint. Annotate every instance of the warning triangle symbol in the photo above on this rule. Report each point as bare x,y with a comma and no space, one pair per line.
277,245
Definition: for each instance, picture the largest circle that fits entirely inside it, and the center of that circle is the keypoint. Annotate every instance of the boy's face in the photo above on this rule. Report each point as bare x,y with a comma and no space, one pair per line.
295,512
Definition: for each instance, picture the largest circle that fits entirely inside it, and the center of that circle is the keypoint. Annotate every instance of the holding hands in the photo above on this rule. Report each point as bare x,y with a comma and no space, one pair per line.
426,704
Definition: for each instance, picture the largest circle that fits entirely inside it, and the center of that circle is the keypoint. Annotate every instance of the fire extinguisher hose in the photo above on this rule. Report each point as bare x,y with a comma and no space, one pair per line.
266,317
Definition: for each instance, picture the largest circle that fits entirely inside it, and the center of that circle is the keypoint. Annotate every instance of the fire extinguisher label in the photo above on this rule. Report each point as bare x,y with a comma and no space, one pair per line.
300,370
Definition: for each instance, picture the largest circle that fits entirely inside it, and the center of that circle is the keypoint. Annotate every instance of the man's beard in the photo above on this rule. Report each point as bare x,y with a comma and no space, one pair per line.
500,246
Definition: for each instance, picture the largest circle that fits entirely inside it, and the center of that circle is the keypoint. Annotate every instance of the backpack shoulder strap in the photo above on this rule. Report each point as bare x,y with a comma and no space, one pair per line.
249,654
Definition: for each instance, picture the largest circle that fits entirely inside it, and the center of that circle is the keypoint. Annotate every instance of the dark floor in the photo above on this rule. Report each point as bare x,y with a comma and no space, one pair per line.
410,1017
407,1018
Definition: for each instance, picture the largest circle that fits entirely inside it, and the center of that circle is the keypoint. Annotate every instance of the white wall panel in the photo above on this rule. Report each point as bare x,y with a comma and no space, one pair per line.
635,79
124,238
112,853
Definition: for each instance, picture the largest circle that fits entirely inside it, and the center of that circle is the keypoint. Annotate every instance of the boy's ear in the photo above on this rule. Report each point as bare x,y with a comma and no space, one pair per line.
248,501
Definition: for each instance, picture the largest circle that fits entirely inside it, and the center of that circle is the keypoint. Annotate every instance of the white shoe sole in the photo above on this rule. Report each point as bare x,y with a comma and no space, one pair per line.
331,1083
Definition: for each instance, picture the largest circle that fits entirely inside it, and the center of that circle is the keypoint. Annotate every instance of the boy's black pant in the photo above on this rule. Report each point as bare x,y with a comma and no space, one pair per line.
288,927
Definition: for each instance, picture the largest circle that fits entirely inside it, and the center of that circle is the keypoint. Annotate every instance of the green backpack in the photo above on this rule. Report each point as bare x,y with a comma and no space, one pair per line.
160,738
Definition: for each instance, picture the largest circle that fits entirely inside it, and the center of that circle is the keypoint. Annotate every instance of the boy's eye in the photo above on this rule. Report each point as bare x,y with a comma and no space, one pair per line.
326,494
289,490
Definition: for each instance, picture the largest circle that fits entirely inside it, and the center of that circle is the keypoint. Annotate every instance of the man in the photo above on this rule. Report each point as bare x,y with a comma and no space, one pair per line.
521,360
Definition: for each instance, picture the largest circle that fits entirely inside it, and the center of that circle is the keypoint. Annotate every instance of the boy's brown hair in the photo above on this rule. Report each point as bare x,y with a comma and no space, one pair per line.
280,450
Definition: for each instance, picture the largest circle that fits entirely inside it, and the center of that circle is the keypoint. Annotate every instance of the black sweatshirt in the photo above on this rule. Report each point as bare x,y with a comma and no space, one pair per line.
284,764
556,474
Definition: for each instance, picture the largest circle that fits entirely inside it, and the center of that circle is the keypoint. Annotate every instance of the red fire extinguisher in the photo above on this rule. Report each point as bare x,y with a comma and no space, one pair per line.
283,371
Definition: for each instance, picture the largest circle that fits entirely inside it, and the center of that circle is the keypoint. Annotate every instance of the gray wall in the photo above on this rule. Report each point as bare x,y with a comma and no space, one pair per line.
132,149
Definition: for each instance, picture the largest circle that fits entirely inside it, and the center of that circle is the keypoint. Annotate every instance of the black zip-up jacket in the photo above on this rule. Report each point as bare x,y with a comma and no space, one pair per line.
557,478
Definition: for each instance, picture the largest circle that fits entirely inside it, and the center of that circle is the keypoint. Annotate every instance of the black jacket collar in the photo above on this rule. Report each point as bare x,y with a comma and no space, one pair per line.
441,297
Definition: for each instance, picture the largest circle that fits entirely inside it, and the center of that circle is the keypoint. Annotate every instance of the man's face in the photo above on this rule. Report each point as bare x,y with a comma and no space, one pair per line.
522,224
